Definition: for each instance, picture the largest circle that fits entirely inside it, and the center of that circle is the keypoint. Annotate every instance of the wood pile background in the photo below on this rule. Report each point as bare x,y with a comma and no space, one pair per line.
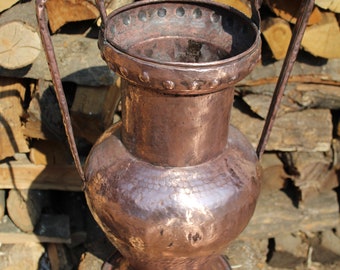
299,201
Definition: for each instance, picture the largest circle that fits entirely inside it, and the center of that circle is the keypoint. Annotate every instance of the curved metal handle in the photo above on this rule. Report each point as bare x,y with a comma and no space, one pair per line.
102,11
305,10
58,87
255,12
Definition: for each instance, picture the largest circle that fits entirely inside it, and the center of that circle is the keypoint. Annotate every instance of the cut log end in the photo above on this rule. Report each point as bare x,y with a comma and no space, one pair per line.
278,34
19,45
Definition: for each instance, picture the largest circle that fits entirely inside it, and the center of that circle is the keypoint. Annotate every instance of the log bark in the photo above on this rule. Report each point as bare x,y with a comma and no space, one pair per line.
275,214
312,173
306,69
278,34
315,96
295,131
323,38
297,97
273,173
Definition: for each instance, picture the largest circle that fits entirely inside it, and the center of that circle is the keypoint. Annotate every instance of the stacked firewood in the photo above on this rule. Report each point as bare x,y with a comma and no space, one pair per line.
300,166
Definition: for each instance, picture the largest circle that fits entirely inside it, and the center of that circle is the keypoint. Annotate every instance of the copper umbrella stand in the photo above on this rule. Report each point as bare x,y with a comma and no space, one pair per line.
173,183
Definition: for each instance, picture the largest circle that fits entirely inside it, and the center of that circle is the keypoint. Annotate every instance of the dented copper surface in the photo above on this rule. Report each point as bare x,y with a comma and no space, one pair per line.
173,183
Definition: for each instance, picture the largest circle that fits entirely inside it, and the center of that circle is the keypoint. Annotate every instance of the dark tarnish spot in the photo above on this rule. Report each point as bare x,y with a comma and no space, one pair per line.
161,232
235,179
171,244
194,238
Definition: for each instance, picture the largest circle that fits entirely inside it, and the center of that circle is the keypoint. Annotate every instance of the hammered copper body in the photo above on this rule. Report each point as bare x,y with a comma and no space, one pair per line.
173,184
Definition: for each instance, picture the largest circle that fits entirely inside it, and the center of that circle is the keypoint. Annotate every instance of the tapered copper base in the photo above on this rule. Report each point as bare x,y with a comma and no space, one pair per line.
117,262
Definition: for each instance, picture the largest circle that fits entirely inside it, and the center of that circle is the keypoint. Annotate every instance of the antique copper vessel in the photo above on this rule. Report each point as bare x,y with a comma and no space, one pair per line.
173,183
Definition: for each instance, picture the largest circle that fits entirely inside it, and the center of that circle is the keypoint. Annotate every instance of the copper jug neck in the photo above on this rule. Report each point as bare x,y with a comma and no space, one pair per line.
172,130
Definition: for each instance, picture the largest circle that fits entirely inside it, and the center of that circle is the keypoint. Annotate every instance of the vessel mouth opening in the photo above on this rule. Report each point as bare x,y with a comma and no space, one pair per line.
181,32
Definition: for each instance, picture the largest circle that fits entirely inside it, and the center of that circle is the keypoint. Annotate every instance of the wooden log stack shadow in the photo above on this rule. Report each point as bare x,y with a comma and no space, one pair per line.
298,210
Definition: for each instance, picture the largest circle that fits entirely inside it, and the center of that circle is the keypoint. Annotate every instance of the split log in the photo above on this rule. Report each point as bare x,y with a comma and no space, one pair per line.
12,94
50,229
263,78
78,57
330,241
277,33
5,4
79,62
2,203
273,173
89,100
19,45
333,5
315,96
90,261
23,12
23,47
275,214
247,254
57,255
295,131
49,153
88,127
312,173
44,118
241,5
25,175
24,208
293,244
93,110
61,12
323,38
288,10
111,103
259,104
297,97
21,256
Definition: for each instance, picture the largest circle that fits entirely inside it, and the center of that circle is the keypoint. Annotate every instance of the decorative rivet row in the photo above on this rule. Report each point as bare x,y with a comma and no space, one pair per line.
144,77
169,85
123,71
